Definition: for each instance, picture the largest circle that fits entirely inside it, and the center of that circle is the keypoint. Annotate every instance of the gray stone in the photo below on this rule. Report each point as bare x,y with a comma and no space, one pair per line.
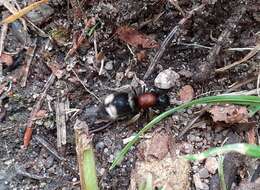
203,173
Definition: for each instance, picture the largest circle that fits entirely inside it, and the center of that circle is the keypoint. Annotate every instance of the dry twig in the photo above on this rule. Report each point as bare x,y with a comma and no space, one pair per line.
55,153
85,86
22,12
170,36
28,60
60,124
205,69
29,127
244,59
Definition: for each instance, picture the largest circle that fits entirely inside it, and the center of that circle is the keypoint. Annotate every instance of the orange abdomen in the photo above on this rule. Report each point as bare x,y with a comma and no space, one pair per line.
146,100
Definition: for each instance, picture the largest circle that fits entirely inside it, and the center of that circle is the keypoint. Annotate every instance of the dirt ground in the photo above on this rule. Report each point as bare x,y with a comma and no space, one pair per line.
189,54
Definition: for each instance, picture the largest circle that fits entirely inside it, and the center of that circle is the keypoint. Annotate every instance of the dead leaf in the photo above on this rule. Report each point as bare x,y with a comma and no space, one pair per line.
135,38
186,93
229,114
7,59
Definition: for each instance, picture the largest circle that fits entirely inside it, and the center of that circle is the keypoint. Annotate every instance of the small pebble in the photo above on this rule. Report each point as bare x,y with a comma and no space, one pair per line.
250,86
203,173
211,165
100,145
186,93
74,179
109,65
187,148
166,79
106,150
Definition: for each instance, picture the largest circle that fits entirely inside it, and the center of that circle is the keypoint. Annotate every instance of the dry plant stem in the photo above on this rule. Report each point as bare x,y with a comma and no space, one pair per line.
230,26
191,124
11,7
241,83
101,128
28,60
23,11
49,147
36,108
252,53
86,87
85,156
60,124
3,36
22,171
170,36
55,153
176,5
258,84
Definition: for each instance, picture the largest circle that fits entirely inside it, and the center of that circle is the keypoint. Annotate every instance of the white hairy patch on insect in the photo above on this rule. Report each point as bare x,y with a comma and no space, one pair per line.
112,111
131,101
109,99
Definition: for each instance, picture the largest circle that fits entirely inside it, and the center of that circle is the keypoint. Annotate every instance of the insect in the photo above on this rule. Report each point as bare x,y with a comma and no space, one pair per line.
123,104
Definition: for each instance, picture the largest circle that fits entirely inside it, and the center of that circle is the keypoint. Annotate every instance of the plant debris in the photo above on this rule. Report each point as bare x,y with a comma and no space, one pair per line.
135,38
229,114
6,59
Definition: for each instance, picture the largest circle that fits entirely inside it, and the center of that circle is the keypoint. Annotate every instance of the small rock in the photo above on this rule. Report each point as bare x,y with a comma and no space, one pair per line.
186,93
187,148
111,158
197,181
106,150
250,86
166,79
130,74
205,186
109,65
204,173
74,179
100,145
211,165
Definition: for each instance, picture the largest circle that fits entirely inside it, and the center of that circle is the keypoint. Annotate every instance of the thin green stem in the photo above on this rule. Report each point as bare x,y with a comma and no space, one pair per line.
241,100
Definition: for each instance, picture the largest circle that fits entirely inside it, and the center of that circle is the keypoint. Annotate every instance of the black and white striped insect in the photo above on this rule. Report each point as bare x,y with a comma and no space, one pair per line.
122,104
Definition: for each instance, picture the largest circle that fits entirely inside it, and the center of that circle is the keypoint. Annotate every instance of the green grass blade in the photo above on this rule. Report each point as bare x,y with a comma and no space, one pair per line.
241,100
221,173
89,170
251,150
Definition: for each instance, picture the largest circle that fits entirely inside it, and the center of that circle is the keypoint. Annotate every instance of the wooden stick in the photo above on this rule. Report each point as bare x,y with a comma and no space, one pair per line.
29,127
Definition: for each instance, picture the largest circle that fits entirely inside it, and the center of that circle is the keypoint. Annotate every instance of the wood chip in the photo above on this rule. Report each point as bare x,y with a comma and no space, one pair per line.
61,124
